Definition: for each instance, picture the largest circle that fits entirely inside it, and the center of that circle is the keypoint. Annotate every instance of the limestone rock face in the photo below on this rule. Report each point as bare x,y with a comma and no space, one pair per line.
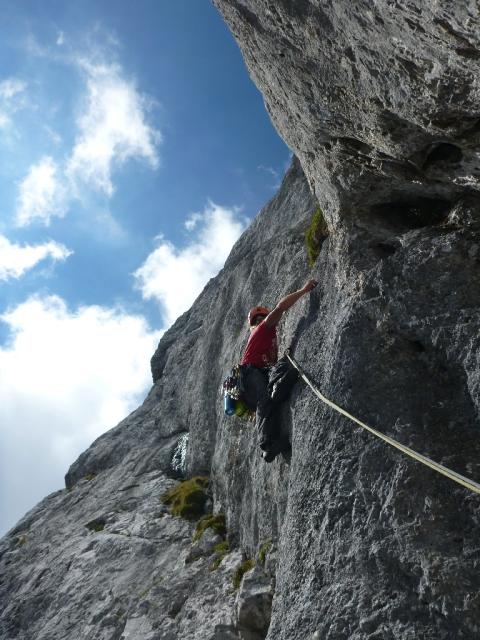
379,101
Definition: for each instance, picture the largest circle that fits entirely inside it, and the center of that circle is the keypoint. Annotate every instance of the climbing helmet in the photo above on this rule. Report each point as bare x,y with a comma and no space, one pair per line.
257,311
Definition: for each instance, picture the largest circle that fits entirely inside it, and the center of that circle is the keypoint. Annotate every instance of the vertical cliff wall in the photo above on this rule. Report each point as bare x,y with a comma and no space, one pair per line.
379,101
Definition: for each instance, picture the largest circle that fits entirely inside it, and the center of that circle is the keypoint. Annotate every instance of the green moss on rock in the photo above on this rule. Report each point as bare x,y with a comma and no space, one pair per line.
241,571
315,235
210,521
221,550
263,550
187,499
222,547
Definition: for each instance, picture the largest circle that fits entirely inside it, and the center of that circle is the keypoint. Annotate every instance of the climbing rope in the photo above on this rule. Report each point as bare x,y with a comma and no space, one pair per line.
453,475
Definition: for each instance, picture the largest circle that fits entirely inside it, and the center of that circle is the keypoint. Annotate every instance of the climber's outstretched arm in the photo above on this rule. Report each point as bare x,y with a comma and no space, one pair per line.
274,316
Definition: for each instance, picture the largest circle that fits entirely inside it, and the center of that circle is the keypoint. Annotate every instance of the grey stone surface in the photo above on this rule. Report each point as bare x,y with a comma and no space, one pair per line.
105,560
203,547
254,605
379,101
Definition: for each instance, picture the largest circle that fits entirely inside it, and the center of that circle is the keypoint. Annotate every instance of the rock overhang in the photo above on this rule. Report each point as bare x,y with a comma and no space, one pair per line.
376,99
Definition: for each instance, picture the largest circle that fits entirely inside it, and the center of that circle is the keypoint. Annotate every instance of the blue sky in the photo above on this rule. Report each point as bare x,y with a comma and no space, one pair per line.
135,150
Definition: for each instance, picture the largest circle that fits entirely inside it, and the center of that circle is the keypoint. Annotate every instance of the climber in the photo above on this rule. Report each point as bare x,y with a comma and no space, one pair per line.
261,370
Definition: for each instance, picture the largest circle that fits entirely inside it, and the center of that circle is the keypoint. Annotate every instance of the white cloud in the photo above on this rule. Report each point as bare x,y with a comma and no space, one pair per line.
112,128
41,194
11,87
12,98
192,221
65,378
175,277
16,259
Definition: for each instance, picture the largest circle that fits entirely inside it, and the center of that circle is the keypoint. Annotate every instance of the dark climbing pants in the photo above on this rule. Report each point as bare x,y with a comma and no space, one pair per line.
257,396
259,387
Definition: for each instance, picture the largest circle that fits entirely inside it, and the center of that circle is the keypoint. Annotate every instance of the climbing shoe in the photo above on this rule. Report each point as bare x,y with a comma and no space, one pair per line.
265,445
269,456
275,448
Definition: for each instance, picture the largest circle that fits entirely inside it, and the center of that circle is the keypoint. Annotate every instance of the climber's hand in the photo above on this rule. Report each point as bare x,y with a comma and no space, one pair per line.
311,284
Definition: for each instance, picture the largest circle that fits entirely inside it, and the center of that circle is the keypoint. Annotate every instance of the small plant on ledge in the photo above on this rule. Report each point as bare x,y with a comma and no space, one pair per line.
210,521
315,235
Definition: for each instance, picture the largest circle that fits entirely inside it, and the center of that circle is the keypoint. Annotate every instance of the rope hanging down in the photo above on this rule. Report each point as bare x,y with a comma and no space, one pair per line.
453,475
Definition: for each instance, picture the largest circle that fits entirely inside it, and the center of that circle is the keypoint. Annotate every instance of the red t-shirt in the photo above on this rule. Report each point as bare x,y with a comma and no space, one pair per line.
262,347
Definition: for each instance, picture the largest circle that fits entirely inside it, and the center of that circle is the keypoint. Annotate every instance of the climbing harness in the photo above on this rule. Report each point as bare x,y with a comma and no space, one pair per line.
453,475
